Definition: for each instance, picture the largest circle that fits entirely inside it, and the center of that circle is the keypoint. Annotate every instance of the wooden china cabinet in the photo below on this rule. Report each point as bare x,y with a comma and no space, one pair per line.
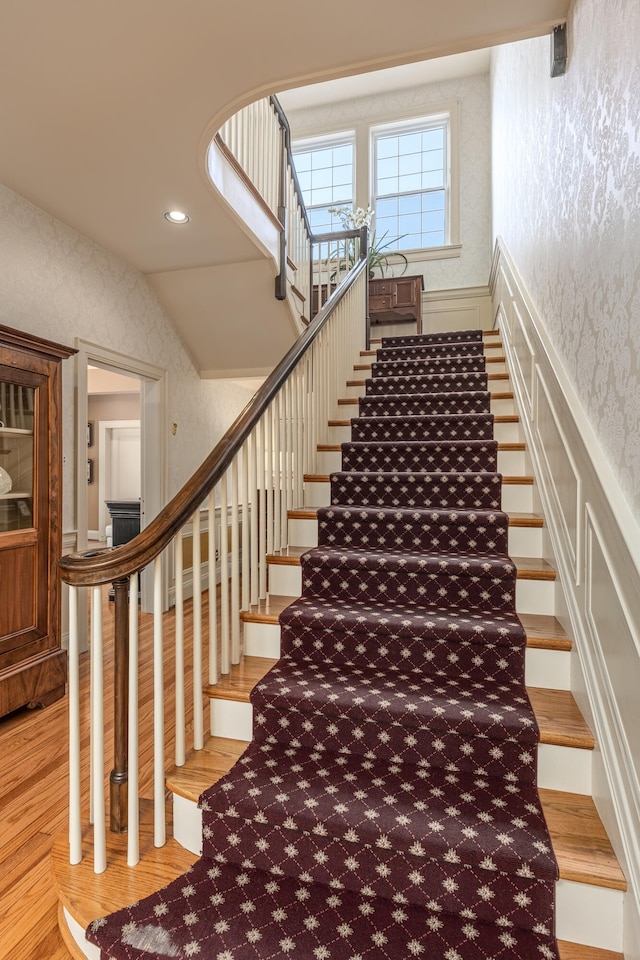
32,664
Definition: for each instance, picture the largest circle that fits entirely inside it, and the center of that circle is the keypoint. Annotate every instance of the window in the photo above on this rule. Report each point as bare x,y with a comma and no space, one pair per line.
325,173
410,173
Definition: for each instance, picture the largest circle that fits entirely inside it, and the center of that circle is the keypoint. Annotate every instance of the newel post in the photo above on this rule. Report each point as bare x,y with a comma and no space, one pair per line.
118,779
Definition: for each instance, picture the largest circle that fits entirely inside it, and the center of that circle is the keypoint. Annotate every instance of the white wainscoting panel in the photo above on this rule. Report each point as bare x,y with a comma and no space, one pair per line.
595,542
561,472
467,308
524,356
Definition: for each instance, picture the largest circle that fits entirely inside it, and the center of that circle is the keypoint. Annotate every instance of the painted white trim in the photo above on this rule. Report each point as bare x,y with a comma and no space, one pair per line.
90,950
456,293
599,573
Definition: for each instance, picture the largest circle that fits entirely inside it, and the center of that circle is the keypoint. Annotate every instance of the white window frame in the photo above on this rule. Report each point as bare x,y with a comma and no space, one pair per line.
338,139
447,114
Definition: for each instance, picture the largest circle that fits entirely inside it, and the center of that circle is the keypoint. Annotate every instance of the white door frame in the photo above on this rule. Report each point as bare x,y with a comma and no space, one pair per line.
153,419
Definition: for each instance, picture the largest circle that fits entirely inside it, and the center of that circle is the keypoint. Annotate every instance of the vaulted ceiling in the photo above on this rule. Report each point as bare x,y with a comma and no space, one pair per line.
107,106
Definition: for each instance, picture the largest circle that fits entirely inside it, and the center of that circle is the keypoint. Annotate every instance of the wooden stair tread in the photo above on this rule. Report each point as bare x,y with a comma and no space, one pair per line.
524,480
88,895
352,401
580,841
576,951
498,418
515,519
241,679
204,766
499,358
543,632
337,447
559,718
529,568
361,383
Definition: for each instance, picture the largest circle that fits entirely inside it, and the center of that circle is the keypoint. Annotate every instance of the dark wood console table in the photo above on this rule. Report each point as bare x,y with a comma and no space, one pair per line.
396,300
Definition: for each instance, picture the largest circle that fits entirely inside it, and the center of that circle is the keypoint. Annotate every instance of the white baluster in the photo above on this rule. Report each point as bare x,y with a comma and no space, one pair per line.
97,733
75,814
212,540
179,628
198,735
224,577
265,534
246,527
133,789
159,826
235,565
277,471
254,462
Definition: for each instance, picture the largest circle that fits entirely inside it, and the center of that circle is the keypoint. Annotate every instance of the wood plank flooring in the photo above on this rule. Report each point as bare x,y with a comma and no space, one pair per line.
34,776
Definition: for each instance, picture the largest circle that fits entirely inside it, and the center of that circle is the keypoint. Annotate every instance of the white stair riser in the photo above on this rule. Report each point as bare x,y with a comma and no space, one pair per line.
550,669
502,407
262,640
523,541
512,463
535,596
589,915
232,719
187,824
564,768
76,930
532,596
584,914
502,432
516,497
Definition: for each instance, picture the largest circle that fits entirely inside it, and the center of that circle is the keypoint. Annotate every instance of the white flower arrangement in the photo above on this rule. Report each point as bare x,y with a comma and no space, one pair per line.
376,257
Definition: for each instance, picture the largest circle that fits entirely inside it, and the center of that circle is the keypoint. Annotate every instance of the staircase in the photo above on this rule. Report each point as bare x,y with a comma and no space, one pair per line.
589,888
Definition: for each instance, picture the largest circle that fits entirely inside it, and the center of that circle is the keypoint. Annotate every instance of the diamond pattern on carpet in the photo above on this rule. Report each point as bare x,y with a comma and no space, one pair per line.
475,491
387,807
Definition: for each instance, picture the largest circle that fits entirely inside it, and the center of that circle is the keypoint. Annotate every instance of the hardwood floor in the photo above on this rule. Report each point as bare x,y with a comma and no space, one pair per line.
34,793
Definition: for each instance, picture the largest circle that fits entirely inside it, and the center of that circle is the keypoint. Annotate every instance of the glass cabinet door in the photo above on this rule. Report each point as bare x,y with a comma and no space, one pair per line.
16,455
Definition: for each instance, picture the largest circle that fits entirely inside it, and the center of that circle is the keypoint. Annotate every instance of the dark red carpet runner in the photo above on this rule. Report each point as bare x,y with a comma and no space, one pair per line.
387,807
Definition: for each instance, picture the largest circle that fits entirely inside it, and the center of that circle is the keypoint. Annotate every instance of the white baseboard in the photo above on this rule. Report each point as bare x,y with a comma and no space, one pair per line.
596,547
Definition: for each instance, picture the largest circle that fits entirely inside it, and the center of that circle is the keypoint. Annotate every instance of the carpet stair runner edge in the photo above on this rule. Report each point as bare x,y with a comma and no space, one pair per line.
388,811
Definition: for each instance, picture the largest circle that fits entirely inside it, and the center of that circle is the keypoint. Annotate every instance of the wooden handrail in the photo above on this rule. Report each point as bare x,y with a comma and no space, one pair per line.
286,129
95,567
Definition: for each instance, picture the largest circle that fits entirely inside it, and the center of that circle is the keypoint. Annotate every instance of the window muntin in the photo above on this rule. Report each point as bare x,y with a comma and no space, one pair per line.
325,174
410,172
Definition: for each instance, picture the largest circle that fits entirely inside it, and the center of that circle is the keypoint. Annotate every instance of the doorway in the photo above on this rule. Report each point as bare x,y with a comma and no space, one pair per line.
152,416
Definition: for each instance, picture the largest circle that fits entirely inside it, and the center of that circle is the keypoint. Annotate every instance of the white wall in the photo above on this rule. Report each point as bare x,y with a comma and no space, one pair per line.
566,173
566,203
472,267
58,284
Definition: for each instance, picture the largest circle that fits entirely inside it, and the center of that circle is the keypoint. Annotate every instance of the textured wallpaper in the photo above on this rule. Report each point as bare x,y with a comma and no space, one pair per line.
58,284
566,167
472,267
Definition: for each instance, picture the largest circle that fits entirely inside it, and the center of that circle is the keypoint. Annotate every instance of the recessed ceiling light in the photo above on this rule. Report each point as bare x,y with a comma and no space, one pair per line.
176,216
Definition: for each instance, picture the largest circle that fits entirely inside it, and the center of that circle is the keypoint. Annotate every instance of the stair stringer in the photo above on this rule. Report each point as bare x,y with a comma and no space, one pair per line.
593,541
